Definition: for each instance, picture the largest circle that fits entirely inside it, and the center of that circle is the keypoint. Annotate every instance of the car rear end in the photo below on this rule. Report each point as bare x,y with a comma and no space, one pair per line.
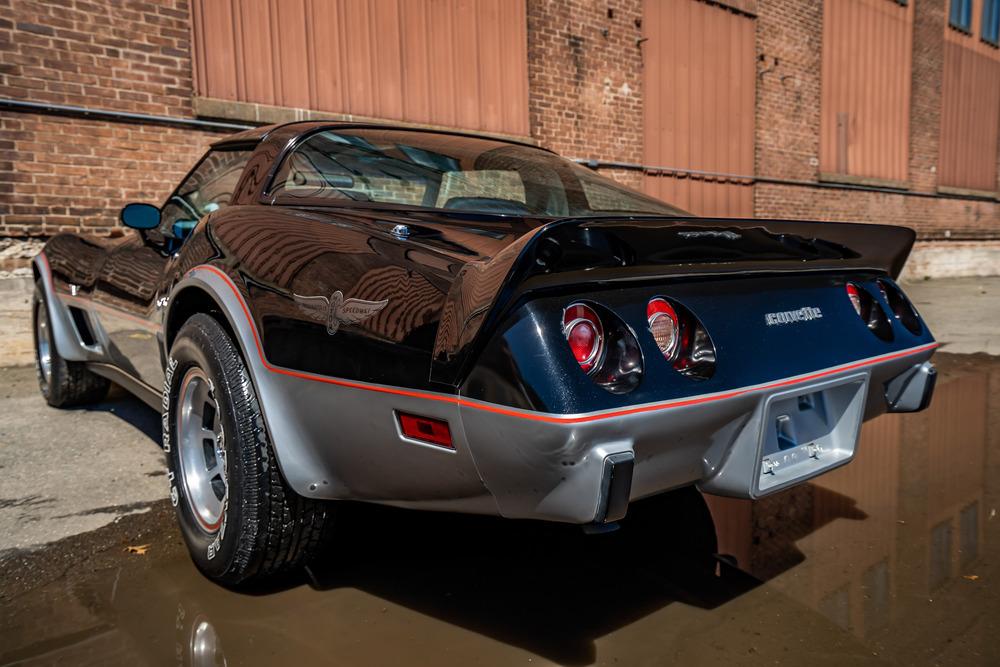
599,384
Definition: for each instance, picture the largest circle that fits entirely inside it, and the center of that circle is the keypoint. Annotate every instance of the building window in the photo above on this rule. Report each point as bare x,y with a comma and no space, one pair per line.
960,16
991,22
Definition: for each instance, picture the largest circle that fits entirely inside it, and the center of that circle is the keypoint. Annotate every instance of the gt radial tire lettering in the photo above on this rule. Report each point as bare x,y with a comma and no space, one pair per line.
165,426
168,376
215,544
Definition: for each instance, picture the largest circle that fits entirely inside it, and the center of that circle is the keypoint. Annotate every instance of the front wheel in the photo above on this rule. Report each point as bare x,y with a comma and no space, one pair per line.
239,518
63,383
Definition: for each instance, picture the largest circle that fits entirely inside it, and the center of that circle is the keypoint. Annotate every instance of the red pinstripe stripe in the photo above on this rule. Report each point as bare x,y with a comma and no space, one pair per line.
538,416
45,260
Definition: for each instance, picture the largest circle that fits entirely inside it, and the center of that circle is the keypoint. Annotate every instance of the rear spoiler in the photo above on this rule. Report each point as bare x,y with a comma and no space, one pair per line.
590,252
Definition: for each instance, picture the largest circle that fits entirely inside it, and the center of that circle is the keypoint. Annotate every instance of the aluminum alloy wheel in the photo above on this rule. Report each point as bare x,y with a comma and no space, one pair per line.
42,343
201,450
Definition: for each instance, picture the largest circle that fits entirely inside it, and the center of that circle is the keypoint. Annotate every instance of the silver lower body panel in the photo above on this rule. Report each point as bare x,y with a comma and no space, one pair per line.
556,467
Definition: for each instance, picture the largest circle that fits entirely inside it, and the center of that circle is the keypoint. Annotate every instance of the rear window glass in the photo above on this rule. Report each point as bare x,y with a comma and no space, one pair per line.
449,172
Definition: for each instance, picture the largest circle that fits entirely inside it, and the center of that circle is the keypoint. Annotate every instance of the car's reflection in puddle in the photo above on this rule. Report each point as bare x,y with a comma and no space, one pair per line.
892,557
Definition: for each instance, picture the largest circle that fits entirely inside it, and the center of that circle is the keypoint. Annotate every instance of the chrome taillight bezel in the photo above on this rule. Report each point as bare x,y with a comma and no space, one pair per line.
692,352
617,365
579,313
659,309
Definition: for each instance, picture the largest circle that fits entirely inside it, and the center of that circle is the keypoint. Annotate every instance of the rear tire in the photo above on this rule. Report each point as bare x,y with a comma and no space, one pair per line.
63,383
239,518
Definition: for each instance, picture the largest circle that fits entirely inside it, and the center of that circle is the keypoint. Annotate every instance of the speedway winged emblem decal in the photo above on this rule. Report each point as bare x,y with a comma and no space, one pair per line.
337,311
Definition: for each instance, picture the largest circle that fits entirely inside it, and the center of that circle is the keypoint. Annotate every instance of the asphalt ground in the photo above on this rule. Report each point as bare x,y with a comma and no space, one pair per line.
894,558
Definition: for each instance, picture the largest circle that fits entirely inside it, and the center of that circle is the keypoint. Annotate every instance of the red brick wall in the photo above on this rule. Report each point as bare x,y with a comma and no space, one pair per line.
127,56
789,33
929,18
61,173
585,79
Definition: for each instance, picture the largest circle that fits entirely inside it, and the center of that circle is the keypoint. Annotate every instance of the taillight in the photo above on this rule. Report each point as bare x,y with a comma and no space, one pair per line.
584,334
604,346
854,294
681,338
869,310
426,429
664,325
900,306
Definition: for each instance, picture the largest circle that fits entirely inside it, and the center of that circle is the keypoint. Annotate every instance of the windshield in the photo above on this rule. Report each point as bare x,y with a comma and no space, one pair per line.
451,172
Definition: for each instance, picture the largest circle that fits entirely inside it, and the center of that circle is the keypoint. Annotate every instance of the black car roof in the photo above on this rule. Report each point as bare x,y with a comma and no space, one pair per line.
299,127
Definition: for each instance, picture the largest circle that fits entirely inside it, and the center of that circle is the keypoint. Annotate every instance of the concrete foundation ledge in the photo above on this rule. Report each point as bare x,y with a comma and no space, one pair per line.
953,259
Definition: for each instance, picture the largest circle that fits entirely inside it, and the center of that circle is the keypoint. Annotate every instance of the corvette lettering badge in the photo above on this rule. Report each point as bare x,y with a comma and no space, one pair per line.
804,314
337,311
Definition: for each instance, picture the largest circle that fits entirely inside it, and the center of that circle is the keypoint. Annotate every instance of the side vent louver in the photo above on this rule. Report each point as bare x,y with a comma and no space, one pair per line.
82,325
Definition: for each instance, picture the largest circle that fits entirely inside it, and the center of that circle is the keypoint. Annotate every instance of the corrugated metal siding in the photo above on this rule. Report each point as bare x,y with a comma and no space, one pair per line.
699,81
865,99
970,109
458,63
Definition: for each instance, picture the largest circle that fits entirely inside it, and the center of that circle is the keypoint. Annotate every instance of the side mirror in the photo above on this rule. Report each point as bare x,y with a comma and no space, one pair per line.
140,216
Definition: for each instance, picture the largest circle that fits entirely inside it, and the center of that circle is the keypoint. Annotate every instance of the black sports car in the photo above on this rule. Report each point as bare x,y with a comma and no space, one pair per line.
444,321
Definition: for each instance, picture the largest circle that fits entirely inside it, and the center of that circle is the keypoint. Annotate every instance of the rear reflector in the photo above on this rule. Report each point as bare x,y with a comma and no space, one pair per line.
425,429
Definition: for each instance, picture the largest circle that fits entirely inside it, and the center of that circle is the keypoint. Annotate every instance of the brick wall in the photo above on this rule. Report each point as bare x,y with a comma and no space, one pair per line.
929,18
60,173
585,79
128,56
585,100
789,34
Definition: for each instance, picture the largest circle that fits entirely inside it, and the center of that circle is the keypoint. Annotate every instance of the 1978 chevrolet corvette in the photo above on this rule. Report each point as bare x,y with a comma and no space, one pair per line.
443,321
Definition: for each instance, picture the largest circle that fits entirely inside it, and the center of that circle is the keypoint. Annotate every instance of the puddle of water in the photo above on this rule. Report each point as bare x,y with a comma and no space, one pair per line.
891,558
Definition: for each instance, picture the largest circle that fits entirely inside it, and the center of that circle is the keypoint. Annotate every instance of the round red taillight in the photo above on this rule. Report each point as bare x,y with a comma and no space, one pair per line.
584,334
663,324
855,296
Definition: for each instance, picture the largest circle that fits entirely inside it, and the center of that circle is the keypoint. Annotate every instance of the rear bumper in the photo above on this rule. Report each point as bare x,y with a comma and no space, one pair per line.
556,467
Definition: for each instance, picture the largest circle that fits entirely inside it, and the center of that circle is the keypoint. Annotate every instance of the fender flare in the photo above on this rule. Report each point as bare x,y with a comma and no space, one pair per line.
295,458
64,335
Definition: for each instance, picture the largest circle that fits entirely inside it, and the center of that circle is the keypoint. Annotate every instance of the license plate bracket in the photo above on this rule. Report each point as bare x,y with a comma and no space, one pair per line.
807,431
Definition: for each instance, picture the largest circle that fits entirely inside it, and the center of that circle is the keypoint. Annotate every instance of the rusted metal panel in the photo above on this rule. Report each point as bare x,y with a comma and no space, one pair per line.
865,97
970,110
699,104
460,63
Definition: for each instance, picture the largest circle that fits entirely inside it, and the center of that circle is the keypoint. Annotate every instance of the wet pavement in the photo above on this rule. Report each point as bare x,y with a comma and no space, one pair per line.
64,472
892,559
